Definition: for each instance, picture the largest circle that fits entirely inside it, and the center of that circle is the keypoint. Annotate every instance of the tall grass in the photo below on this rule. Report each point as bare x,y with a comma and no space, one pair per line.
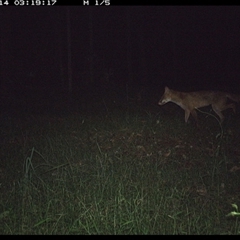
118,173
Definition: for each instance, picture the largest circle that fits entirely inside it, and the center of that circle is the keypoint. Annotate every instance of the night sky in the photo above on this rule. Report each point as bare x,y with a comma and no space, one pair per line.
116,52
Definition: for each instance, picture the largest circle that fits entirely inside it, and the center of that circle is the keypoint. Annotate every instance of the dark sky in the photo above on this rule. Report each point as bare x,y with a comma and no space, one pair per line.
185,47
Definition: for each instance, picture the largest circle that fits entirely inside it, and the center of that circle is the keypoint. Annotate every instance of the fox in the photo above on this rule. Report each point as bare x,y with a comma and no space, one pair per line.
190,101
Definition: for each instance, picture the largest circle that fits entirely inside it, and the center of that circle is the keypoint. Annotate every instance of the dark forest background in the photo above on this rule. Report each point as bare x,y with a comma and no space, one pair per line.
81,56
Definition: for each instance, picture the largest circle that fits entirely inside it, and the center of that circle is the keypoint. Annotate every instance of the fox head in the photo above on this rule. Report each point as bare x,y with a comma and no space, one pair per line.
166,97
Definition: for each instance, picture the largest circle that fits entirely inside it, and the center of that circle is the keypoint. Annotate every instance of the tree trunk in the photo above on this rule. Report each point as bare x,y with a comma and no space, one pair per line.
129,53
91,51
69,49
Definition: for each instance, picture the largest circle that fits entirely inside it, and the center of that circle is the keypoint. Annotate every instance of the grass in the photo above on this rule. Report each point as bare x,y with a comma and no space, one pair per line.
119,172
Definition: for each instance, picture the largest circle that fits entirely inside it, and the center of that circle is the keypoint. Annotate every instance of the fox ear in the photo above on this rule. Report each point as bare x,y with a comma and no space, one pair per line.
166,88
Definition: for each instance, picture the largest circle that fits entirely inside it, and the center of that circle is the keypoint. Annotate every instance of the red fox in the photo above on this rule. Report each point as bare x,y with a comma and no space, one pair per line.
189,101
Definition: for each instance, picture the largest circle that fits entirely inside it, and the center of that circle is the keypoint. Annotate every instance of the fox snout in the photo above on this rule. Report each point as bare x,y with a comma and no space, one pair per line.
162,101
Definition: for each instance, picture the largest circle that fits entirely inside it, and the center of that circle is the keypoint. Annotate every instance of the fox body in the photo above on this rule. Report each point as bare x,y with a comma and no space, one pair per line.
190,101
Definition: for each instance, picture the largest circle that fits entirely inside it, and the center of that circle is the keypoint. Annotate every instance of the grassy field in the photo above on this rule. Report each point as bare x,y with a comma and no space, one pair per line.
119,171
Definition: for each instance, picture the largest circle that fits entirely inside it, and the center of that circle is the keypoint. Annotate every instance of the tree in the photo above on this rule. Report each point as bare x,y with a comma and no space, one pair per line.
69,50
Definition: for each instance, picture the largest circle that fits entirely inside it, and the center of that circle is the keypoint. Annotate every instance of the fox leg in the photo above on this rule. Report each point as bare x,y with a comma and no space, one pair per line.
187,114
219,113
194,114
231,105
